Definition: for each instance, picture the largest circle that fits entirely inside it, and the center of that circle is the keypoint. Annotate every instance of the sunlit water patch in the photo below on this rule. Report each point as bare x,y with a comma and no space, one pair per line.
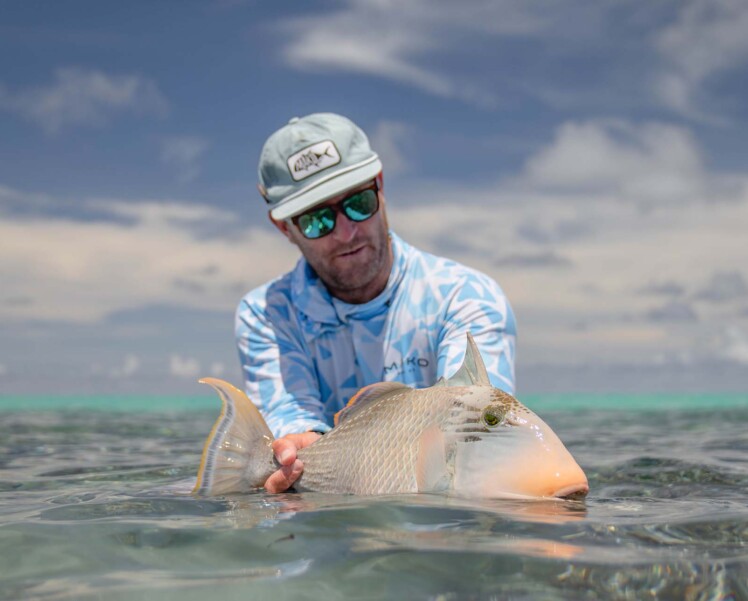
96,505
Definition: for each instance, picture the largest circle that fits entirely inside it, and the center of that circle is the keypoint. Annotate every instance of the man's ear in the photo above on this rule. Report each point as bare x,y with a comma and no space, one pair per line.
282,227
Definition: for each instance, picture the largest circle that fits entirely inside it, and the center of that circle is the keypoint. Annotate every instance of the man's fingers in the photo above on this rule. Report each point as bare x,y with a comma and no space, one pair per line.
284,451
284,478
285,448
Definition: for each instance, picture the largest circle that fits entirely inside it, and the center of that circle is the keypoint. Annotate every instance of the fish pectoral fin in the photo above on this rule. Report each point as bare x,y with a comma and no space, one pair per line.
431,462
237,456
366,396
473,370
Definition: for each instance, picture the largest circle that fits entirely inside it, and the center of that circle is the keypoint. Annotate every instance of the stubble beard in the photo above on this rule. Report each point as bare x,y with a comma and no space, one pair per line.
359,276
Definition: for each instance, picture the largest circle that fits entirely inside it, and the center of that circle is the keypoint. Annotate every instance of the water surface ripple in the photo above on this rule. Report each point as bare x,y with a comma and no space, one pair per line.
96,505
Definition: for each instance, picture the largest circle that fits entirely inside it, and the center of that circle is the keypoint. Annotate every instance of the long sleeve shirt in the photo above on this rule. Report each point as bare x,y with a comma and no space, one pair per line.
304,353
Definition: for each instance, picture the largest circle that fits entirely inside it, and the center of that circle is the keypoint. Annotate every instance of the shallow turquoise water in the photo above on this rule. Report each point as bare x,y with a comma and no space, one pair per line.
96,505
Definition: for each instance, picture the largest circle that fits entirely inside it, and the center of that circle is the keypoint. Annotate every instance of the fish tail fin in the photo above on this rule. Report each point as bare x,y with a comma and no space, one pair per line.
237,456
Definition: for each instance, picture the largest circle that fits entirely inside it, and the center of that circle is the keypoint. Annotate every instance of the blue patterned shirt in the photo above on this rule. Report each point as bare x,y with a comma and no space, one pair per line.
304,353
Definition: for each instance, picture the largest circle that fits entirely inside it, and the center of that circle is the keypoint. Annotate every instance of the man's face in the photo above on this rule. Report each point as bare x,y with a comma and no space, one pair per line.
355,259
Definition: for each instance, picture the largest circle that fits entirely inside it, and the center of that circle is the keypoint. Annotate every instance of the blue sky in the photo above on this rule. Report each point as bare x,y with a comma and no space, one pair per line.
593,158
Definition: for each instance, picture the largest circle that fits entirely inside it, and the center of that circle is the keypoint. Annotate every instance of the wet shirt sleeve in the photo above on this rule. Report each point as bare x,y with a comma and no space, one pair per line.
480,307
279,374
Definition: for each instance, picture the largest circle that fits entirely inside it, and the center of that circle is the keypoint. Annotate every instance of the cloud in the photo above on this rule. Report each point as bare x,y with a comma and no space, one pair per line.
400,41
634,55
732,344
349,41
129,367
708,38
156,253
532,261
662,289
16,301
553,232
724,287
184,367
110,266
3,370
639,162
603,210
673,311
649,164
389,138
190,286
217,369
83,97
184,154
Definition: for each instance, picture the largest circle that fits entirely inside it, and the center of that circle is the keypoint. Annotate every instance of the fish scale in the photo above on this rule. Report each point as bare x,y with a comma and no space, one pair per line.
461,436
371,462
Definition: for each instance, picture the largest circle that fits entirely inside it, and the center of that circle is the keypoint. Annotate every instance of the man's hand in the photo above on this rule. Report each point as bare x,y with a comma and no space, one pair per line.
285,452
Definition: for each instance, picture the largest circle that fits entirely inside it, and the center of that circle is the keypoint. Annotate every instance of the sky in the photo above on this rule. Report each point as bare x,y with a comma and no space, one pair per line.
591,157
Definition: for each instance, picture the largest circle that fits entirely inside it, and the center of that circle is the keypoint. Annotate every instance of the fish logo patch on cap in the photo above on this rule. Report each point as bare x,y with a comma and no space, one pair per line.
313,159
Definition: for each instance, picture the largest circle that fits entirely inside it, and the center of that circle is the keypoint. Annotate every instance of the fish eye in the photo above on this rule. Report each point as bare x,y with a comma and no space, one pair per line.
494,415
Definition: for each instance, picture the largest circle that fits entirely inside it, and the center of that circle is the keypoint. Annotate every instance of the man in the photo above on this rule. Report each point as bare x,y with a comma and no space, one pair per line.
361,306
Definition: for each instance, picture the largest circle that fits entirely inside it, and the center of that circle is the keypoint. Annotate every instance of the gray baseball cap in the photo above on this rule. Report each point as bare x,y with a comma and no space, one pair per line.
311,159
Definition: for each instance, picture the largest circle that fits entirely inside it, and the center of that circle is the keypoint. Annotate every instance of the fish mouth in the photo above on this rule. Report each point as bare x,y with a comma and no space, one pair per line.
574,492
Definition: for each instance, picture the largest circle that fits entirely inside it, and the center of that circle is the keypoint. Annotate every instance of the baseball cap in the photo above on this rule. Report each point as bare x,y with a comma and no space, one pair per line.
311,159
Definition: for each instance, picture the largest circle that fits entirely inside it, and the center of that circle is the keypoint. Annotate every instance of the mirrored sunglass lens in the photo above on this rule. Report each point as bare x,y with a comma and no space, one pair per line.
361,206
317,224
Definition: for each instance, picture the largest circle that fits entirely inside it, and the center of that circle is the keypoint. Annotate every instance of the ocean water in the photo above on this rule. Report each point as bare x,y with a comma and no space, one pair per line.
95,504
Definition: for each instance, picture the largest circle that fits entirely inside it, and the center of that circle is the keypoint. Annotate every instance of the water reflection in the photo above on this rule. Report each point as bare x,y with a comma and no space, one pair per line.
98,508
249,510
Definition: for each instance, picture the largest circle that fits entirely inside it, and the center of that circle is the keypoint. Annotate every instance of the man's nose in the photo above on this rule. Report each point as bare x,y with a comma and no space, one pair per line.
345,229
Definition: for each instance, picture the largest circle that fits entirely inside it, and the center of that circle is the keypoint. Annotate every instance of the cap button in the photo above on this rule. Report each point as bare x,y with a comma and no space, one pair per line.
293,120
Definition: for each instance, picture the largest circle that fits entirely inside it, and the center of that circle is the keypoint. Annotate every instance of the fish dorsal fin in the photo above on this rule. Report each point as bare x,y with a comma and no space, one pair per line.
365,397
472,371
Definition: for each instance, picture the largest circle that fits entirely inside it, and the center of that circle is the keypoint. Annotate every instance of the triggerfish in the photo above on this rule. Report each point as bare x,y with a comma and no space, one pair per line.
460,437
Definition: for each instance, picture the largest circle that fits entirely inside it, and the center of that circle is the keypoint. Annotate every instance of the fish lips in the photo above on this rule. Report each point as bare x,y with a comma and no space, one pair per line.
518,463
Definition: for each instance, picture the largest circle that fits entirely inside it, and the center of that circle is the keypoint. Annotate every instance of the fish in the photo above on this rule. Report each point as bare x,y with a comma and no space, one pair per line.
460,437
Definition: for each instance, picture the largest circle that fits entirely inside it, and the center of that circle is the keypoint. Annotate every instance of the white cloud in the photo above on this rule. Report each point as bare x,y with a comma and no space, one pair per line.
347,42
708,38
651,161
399,41
129,367
607,180
163,213
83,270
612,250
607,269
83,97
667,52
184,367
734,345
184,154
646,164
724,287
388,139
217,369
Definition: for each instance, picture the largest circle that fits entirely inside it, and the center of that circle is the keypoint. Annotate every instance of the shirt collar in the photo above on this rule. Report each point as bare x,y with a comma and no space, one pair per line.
320,312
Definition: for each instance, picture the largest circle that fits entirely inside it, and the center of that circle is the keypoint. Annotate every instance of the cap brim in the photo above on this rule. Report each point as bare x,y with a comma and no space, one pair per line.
328,189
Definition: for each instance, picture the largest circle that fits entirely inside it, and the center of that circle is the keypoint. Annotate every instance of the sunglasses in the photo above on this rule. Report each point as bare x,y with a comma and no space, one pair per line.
358,207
